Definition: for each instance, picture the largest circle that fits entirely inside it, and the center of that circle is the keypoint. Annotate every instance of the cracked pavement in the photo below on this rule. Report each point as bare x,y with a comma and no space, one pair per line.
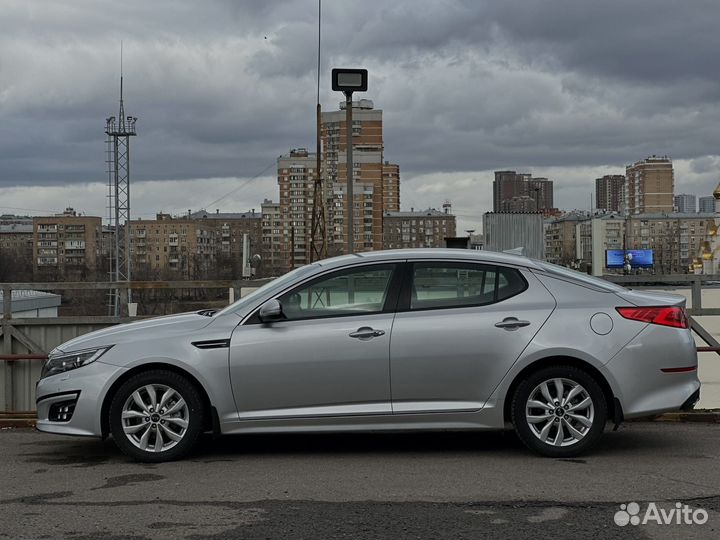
429,485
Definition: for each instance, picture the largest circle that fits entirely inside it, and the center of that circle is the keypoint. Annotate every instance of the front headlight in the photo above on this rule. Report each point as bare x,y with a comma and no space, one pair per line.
67,361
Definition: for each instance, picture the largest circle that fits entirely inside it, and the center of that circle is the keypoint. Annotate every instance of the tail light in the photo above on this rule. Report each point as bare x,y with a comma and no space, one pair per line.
673,316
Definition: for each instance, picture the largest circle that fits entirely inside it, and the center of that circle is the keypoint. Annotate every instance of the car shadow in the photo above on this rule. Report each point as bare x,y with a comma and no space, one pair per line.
631,439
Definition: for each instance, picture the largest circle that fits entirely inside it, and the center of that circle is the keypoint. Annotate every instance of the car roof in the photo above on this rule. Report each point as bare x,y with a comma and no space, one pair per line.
472,255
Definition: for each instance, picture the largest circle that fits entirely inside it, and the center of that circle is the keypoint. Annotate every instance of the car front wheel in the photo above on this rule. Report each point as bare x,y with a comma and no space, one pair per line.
156,416
559,411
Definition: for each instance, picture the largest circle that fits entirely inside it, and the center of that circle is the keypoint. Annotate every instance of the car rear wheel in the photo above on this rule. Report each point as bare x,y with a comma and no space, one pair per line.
156,416
559,411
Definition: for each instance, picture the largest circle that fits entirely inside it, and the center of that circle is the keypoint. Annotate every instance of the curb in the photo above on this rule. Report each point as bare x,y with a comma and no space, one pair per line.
17,421
704,416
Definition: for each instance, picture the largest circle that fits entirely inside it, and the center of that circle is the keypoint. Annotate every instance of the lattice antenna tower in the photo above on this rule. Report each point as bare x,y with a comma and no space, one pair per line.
118,131
318,236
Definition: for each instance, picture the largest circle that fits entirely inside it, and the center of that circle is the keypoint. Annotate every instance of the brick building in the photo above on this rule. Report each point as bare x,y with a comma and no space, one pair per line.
422,229
67,246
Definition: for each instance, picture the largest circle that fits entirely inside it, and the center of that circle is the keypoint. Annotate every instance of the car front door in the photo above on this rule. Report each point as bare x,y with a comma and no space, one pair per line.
459,328
329,356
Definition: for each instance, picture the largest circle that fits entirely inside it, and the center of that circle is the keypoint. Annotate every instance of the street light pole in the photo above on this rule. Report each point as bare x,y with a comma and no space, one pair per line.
349,81
350,165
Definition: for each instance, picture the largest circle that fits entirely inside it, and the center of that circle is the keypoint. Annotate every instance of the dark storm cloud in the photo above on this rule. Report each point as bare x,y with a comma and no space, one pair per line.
222,88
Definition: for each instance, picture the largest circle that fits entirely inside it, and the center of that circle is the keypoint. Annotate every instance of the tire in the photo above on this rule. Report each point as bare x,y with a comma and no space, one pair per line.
167,432
571,428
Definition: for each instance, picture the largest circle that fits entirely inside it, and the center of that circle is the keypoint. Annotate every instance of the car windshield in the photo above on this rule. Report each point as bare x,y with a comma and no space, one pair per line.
275,284
567,273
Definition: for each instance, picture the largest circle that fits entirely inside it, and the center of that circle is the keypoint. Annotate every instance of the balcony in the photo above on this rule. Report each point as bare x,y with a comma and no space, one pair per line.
47,228
74,244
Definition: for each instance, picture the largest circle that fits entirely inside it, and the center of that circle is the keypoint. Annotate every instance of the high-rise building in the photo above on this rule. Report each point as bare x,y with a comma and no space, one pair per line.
422,229
706,204
507,185
650,186
510,185
541,189
391,187
685,203
296,175
368,174
273,261
521,203
67,246
376,189
609,192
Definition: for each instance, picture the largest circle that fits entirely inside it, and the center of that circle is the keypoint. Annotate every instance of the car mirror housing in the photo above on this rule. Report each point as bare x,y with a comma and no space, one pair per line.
271,311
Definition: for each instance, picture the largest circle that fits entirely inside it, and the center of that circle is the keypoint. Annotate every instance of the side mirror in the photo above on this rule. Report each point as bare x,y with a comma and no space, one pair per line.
271,311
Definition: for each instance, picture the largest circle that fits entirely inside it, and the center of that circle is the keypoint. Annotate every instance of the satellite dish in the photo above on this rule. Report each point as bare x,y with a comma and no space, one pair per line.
255,261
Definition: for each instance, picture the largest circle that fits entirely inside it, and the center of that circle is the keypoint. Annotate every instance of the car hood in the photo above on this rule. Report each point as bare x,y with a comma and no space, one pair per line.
169,325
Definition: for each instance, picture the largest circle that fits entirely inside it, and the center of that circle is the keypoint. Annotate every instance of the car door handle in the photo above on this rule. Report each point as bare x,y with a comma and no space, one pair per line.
512,323
366,333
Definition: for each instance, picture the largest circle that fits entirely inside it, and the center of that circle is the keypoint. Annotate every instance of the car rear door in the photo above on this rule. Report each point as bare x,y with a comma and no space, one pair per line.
459,328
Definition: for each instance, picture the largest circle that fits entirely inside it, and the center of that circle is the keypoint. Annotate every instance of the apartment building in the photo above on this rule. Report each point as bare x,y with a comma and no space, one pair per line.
376,189
66,246
238,236
391,187
16,248
674,238
561,239
609,193
706,205
650,186
417,229
273,261
685,203
520,192
296,171
183,248
371,175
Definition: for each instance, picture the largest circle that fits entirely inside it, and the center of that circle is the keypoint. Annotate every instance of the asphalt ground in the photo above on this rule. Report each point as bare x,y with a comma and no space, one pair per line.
430,485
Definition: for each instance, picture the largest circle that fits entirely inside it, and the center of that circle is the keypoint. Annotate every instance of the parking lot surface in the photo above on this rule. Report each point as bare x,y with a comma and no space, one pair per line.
430,485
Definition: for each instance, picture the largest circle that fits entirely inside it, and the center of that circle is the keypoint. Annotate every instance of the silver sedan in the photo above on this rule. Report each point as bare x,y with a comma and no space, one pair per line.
384,341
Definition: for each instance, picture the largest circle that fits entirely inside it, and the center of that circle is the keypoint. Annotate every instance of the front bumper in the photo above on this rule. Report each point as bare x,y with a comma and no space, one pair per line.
70,403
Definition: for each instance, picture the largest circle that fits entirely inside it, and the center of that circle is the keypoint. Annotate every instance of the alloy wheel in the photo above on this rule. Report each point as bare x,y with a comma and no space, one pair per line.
155,418
560,412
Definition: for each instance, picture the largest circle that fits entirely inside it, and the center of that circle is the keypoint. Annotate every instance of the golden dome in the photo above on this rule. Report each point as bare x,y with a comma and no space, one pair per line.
716,193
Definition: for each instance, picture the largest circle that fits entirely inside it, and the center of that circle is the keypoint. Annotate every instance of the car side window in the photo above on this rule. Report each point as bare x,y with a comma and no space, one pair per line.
360,291
447,285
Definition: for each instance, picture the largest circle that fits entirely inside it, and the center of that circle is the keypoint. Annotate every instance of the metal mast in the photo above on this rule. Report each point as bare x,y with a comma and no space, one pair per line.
118,140
318,237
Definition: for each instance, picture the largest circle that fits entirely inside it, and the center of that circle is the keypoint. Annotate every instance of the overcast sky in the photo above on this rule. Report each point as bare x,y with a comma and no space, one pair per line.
567,89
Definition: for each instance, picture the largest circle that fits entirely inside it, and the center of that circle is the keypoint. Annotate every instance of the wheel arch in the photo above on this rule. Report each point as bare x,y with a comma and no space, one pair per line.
614,407
210,420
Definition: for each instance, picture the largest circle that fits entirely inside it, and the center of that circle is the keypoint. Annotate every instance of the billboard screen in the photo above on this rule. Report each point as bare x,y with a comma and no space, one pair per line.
639,258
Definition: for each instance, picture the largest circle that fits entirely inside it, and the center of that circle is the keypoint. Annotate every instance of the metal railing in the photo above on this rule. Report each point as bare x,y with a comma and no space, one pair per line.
675,281
22,332
25,341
